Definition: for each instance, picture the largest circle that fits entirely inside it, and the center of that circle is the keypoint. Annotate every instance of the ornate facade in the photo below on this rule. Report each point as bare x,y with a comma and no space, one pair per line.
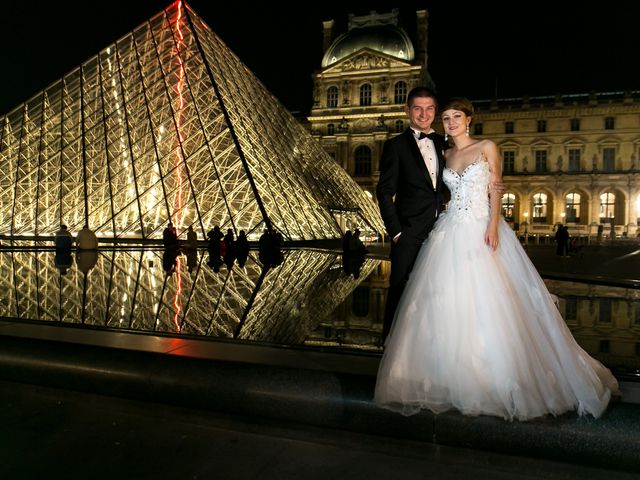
360,91
570,159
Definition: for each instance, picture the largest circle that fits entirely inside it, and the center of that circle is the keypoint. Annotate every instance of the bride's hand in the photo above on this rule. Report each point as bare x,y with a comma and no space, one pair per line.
491,237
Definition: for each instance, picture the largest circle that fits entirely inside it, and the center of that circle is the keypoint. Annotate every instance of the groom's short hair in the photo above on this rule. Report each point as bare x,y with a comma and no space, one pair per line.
421,92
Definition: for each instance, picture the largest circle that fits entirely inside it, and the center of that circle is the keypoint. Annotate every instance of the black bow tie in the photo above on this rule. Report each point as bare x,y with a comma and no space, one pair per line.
431,136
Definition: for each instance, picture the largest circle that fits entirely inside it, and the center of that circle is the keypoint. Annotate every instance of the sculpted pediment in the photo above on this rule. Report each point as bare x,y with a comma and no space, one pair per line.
366,59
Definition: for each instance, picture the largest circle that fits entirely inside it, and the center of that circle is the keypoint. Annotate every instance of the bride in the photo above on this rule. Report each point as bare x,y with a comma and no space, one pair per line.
476,329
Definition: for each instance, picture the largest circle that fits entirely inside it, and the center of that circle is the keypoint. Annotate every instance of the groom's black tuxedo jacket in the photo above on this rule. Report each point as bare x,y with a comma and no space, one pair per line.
403,173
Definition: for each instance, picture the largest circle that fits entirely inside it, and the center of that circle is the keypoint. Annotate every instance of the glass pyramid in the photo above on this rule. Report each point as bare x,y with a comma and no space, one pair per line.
129,289
168,124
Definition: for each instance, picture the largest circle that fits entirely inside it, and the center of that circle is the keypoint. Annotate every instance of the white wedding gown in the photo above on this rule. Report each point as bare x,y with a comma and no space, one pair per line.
477,330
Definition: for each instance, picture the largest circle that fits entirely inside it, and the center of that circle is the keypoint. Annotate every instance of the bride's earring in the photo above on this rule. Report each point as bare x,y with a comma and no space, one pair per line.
467,132
446,137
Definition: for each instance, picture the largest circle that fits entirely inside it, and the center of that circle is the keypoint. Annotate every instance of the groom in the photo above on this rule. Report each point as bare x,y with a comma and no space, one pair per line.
410,191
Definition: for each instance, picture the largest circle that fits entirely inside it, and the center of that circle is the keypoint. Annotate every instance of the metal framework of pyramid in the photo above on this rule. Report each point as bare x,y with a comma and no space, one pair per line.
128,289
168,124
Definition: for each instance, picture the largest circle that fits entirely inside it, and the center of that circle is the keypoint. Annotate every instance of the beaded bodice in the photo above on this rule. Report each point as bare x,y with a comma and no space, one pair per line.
469,191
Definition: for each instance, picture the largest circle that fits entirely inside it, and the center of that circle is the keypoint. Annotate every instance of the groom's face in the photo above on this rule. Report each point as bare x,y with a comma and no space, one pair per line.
421,113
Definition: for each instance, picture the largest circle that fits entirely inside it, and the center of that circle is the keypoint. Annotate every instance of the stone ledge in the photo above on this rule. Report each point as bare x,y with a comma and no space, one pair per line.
312,397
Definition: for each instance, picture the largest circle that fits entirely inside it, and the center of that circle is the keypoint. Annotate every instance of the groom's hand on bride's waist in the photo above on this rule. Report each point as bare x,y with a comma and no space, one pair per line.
498,187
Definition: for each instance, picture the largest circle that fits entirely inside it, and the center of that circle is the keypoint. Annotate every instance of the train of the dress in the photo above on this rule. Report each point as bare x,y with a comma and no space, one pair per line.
477,330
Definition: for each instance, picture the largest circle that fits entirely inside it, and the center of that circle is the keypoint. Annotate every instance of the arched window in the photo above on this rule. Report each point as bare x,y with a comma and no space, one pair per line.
607,207
540,208
508,206
400,93
572,208
399,126
332,97
363,161
331,129
365,95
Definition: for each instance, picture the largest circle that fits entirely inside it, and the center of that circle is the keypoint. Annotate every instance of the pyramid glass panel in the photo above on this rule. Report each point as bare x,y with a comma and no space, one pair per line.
166,124
151,291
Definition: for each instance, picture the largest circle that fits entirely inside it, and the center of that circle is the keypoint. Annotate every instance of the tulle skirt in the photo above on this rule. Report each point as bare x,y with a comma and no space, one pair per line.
477,330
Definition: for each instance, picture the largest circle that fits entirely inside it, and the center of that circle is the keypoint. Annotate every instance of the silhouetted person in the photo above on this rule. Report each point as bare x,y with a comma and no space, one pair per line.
192,238
228,240
355,244
229,254
192,258
86,259
215,262
353,255
170,236
269,249
562,240
242,248
214,236
63,260
63,239
169,258
346,241
86,239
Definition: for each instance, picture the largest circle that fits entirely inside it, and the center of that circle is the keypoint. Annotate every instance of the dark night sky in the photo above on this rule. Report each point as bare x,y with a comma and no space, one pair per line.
556,47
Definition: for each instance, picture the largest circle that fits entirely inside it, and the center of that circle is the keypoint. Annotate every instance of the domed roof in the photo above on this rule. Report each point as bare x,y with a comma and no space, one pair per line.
386,39
378,32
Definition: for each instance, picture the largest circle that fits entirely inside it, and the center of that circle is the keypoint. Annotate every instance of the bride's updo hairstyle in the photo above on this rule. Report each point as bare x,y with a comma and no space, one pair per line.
459,103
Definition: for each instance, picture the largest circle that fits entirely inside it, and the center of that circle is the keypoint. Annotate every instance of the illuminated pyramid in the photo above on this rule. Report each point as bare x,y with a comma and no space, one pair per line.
127,289
168,124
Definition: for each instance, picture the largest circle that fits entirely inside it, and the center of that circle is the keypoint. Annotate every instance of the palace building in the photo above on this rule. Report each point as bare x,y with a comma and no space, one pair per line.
571,159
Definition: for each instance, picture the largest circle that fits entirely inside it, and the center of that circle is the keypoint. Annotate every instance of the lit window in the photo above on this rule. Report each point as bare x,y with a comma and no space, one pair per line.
508,206
540,208
607,207
572,207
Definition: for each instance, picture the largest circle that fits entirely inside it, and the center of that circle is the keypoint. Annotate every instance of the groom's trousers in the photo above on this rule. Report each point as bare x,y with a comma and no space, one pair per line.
403,256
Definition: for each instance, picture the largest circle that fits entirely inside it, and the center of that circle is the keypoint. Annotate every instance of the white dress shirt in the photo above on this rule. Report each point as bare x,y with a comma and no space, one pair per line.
428,152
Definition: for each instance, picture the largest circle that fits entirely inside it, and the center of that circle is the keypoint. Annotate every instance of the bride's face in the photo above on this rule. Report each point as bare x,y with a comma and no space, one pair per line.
455,122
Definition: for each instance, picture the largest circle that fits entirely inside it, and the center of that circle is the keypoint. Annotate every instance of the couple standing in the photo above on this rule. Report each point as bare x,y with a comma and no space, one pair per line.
469,323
